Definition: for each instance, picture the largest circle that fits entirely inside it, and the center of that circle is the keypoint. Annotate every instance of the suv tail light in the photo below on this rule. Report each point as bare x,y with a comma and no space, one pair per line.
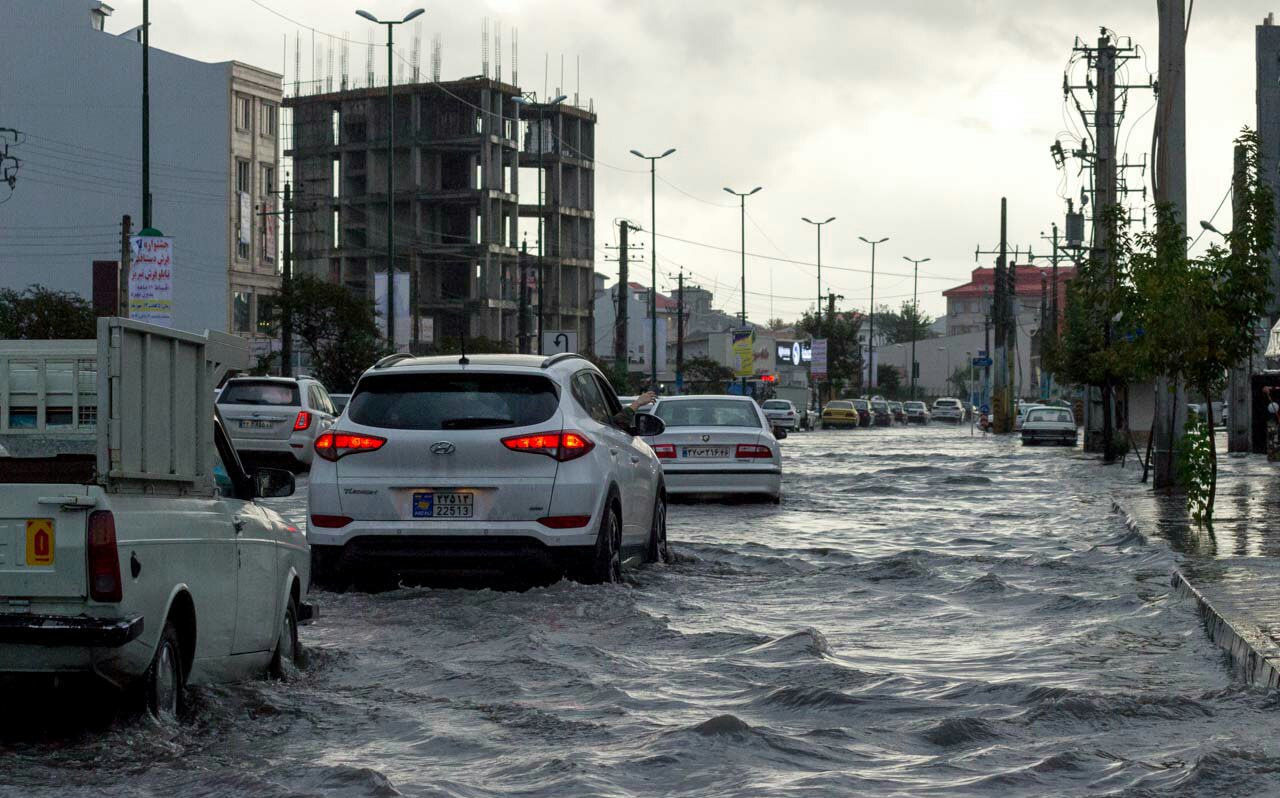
302,421
104,558
330,521
562,446
565,521
665,451
754,450
333,446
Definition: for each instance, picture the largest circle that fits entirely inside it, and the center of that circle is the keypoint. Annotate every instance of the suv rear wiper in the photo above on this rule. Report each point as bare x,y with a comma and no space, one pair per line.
476,422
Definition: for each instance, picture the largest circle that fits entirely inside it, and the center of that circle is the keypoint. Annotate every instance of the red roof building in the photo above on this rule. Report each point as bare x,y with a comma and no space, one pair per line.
969,305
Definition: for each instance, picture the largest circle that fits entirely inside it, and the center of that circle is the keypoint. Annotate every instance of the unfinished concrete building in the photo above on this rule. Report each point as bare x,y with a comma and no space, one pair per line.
457,172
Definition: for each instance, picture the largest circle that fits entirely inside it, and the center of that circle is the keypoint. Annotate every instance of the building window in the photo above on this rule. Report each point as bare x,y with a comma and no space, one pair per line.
244,181
266,315
267,126
244,112
268,185
240,311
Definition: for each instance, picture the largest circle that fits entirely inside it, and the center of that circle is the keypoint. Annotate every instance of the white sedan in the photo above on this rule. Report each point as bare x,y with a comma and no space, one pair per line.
717,445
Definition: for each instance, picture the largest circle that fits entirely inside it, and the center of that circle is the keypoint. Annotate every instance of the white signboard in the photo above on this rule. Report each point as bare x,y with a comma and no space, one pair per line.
818,369
246,215
151,279
557,341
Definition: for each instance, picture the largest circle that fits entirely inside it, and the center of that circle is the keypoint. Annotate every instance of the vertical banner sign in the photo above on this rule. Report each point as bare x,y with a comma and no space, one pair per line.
744,350
818,359
151,280
246,217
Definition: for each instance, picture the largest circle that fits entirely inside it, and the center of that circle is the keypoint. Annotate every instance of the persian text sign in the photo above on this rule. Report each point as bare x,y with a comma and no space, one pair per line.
151,280
818,363
744,342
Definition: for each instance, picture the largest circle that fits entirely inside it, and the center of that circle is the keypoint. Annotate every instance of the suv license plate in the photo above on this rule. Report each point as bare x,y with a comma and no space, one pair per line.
704,451
436,504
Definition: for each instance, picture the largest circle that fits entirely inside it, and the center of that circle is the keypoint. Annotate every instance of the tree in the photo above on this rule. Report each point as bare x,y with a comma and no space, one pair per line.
888,380
776,324
339,329
42,313
906,325
704,375
958,382
844,354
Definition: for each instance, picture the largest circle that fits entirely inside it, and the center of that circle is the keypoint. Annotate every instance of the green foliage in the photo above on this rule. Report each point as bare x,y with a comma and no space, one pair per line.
1195,468
844,355
888,380
41,313
704,375
904,326
958,382
339,329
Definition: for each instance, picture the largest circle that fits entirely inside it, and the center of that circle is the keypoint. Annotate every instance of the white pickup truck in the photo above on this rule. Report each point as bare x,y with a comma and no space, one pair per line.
132,545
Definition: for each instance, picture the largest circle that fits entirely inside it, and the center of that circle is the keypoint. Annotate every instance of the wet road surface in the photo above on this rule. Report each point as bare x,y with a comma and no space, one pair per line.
925,614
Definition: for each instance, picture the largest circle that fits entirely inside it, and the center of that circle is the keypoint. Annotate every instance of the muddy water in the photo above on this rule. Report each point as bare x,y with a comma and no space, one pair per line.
924,614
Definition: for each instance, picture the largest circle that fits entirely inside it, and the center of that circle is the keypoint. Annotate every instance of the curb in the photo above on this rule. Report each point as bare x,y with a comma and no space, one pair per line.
1261,668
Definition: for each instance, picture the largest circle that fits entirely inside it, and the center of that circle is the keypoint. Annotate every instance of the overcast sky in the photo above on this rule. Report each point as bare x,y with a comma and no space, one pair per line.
902,118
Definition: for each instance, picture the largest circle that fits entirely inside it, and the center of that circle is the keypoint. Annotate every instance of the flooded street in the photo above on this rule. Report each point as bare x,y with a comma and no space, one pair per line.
924,614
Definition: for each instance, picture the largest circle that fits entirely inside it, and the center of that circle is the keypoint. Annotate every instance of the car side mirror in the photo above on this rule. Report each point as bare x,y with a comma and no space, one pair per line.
647,425
272,483
779,433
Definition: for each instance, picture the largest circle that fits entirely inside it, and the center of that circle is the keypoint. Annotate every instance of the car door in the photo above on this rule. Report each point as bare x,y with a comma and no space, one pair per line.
586,391
255,597
647,469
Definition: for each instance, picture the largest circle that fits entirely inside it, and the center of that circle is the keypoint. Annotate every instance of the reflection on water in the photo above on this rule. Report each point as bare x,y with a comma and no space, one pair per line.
925,614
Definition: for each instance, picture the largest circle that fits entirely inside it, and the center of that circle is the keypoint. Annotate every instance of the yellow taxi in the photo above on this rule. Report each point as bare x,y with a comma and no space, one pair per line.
839,414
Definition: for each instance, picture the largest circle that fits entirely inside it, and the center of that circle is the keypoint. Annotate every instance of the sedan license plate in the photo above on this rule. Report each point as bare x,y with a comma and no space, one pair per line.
39,541
704,451
436,504
256,424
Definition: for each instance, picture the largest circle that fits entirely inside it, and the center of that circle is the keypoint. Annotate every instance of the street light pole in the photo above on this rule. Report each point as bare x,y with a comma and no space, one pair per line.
915,310
653,262
871,317
391,152
742,197
819,226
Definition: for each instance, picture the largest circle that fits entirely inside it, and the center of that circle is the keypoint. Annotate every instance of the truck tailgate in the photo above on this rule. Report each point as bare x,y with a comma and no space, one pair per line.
42,544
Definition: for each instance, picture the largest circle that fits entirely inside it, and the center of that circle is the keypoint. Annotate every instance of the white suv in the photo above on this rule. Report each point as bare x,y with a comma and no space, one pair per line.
275,420
490,463
781,413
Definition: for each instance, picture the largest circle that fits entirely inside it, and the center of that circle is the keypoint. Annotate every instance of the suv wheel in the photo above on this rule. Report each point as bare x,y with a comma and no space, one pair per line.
605,565
659,550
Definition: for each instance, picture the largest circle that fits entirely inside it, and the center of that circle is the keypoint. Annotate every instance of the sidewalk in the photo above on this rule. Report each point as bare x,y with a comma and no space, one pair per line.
1233,574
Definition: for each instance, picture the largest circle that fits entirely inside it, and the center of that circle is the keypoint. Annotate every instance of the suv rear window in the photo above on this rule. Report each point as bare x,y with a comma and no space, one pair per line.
442,400
259,392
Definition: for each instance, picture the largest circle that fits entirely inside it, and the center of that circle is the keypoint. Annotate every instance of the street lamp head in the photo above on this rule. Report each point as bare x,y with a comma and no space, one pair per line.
413,13
668,152
637,153
360,12
832,219
731,191
558,100
754,190
807,219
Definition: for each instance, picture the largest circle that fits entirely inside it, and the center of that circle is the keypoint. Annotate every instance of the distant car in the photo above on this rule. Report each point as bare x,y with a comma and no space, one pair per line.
339,401
1021,415
899,414
917,412
840,414
275,420
948,409
1049,425
882,416
865,419
781,413
717,445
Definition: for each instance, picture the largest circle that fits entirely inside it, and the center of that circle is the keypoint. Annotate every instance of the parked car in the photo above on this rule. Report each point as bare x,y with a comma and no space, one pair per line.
880,413
717,445
276,420
781,414
948,409
865,418
150,564
840,414
917,412
339,402
1021,415
1049,425
899,414
510,463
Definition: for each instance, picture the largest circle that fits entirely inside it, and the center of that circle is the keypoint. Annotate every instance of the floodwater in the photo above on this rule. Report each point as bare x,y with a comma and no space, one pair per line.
925,613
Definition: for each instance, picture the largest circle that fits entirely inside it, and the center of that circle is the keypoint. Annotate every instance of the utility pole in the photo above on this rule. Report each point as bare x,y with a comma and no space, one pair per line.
1238,395
146,115
522,322
126,257
624,295
831,326
1104,176
680,331
871,317
286,287
1002,398
986,370
915,312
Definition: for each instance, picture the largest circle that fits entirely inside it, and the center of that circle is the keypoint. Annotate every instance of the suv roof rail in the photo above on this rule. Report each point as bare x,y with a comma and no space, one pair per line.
391,360
560,357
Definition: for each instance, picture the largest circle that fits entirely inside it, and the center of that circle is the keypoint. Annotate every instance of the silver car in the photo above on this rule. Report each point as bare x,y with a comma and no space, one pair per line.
781,413
275,420
717,445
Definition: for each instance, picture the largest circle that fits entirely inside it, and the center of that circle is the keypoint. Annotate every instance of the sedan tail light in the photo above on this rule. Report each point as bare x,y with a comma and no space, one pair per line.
104,558
333,446
302,421
754,450
562,446
665,451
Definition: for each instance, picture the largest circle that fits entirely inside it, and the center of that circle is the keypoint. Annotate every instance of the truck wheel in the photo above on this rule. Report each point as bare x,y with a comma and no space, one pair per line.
605,565
164,680
287,648
659,550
